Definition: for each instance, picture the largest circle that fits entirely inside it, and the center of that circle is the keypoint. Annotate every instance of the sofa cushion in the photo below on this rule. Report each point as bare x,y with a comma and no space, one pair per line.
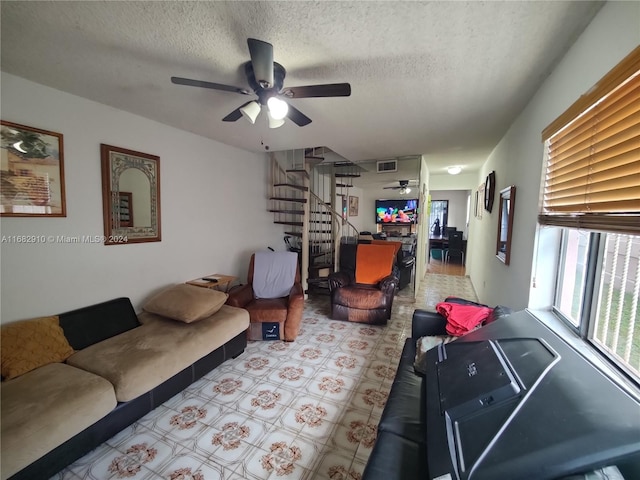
29,344
268,310
140,359
186,303
47,406
404,412
94,323
396,458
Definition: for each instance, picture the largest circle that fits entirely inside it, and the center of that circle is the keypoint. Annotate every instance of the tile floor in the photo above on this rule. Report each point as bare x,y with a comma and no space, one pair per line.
302,410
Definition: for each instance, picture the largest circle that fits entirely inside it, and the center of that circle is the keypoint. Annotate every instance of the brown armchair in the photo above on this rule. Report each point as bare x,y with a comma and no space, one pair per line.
365,295
287,311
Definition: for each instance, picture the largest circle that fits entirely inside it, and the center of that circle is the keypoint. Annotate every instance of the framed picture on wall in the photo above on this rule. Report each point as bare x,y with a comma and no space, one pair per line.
32,172
353,206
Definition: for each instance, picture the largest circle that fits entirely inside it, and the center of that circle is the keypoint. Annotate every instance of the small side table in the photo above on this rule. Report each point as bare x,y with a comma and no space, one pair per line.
223,281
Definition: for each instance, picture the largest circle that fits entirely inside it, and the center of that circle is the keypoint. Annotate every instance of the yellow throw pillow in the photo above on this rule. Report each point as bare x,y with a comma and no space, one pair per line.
186,303
29,344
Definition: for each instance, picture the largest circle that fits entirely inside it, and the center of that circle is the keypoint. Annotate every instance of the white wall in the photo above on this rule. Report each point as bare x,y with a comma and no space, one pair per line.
213,206
517,160
462,181
423,225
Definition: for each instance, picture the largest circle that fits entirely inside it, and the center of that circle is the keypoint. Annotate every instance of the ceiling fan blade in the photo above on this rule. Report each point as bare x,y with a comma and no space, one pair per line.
327,90
236,114
262,61
391,188
214,86
297,117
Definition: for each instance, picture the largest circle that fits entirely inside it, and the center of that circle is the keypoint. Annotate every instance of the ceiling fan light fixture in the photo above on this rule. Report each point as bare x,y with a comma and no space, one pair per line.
455,170
274,122
251,111
277,108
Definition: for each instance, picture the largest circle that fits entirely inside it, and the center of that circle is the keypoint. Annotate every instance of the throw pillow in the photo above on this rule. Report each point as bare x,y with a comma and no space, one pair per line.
29,344
186,303
427,343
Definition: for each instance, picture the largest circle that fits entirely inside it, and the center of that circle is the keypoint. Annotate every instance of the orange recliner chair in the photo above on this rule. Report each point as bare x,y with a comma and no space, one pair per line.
366,296
286,310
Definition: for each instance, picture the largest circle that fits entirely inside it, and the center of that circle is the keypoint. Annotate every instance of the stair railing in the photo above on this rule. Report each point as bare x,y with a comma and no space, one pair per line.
340,231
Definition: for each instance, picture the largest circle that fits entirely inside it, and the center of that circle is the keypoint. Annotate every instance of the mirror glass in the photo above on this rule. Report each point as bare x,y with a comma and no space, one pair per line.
130,196
438,217
505,224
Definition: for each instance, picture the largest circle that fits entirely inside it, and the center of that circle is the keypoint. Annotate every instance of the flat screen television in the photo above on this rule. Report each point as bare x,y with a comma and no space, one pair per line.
513,401
397,211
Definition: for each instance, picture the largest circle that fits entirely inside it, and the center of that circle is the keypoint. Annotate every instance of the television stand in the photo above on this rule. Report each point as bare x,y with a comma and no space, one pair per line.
397,229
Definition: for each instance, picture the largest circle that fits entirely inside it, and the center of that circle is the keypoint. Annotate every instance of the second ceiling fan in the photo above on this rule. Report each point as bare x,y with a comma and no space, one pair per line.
266,78
403,186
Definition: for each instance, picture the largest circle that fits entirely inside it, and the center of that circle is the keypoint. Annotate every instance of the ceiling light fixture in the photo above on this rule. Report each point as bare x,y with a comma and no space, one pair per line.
277,108
274,122
454,170
251,111
405,190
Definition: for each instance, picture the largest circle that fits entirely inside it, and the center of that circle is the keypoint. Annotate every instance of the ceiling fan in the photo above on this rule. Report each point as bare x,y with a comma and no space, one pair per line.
403,186
266,78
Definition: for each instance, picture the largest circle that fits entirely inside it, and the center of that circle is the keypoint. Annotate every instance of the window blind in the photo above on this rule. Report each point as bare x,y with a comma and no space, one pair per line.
592,175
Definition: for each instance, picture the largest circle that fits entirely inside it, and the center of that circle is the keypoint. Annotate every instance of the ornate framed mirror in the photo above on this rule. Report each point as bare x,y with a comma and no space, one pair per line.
130,196
505,224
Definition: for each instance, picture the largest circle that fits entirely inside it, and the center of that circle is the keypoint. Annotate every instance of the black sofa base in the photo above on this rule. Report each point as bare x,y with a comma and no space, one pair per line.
127,413
400,451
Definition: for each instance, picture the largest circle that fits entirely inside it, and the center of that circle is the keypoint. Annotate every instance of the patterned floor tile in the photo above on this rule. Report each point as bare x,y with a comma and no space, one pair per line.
188,466
65,474
333,464
307,409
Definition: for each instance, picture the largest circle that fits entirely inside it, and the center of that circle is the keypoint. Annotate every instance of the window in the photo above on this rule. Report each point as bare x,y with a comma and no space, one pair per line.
616,328
573,260
591,191
598,292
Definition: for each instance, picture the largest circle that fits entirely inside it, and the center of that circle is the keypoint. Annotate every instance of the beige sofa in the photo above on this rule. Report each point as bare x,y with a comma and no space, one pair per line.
122,366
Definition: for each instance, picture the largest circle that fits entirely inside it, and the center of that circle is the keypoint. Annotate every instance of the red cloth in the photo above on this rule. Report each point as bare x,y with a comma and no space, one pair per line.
462,319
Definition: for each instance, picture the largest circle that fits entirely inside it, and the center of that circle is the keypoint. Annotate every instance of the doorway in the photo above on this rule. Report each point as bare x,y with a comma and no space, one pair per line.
439,217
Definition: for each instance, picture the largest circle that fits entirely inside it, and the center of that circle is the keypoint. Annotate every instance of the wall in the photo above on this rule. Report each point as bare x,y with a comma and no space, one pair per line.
462,181
517,159
423,225
213,206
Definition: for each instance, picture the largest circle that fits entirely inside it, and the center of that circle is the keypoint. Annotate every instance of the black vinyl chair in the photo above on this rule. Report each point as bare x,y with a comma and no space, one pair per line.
456,247
449,230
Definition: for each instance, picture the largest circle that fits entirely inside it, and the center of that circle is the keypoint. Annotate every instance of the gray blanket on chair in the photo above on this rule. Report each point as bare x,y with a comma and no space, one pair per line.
274,273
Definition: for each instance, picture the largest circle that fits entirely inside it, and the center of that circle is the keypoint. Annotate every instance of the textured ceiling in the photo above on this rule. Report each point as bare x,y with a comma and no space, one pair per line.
439,78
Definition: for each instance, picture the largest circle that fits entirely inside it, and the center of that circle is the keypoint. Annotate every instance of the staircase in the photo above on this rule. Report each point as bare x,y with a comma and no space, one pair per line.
300,199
